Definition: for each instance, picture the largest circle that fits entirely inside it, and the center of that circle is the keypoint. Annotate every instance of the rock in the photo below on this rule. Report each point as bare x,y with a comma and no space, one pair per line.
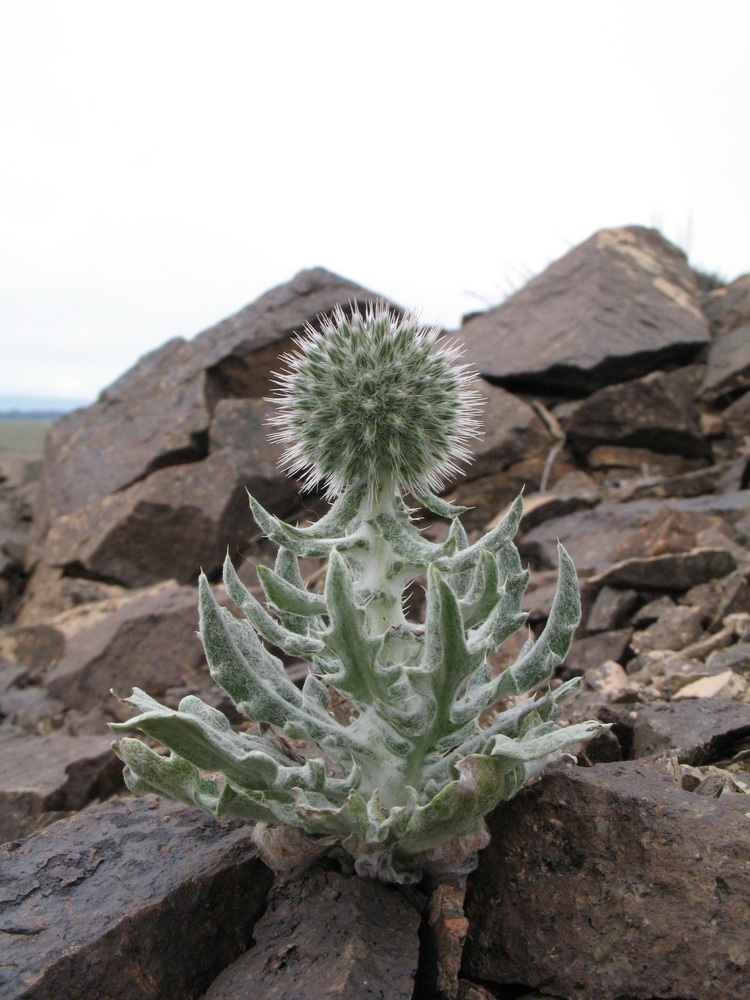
717,783
42,777
728,364
589,652
603,749
33,647
49,592
639,460
729,307
488,495
31,708
17,470
698,731
612,881
711,595
722,478
242,424
611,531
444,932
675,629
711,641
609,678
544,506
159,412
736,657
656,411
473,991
11,673
652,611
147,639
18,481
132,898
669,572
610,609
323,936
614,308
511,430
736,420
723,685
171,525
662,674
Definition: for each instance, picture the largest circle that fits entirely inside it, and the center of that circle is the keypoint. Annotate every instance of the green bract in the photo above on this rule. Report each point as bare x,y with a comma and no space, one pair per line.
404,786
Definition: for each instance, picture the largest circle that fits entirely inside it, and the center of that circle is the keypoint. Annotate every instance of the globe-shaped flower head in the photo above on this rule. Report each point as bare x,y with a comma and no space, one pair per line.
372,398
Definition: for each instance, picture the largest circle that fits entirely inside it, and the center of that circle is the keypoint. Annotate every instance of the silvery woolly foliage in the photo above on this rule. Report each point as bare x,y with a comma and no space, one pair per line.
370,406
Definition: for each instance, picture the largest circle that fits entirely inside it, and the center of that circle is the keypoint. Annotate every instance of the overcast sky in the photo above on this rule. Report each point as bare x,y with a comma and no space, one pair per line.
164,162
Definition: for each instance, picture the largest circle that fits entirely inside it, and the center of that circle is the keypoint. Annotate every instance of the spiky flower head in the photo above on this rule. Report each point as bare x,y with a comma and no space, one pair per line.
371,397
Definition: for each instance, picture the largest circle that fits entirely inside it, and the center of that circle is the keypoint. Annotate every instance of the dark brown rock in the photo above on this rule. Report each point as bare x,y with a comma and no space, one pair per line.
32,708
589,652
159,412
34,647
722,478
49,592
132,898
44,776
511,431
736,419
614,308
610,609
678,571
699,731
171,525
728,364
643,461
147,640
473,991
612,881
657,412
736,657
324,936
729,307
611,531
545,506
18,483
653,610
675,629
243,424
11,673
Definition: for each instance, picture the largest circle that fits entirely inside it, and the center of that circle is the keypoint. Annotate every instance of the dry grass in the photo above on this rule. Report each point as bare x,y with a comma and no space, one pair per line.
24,434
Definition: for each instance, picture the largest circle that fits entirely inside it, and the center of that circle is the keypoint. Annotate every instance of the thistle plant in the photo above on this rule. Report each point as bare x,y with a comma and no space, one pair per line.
370,406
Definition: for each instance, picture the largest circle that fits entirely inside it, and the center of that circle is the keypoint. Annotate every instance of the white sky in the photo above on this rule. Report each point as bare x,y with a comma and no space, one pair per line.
164,162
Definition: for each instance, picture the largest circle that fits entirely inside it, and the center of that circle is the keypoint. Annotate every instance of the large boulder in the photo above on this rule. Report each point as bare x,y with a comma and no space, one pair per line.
131,898
637,529
325,936
149,482
616,307
613,881
657,411
174,523
159,412
44,777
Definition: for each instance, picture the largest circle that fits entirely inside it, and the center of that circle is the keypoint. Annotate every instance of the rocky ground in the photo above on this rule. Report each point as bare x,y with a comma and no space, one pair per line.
618,397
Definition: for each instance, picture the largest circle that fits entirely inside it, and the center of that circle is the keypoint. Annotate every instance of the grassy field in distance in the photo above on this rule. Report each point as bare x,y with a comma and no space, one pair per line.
24,434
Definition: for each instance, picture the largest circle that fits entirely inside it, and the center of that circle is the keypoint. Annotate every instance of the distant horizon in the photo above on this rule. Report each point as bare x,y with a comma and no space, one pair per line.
22,405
